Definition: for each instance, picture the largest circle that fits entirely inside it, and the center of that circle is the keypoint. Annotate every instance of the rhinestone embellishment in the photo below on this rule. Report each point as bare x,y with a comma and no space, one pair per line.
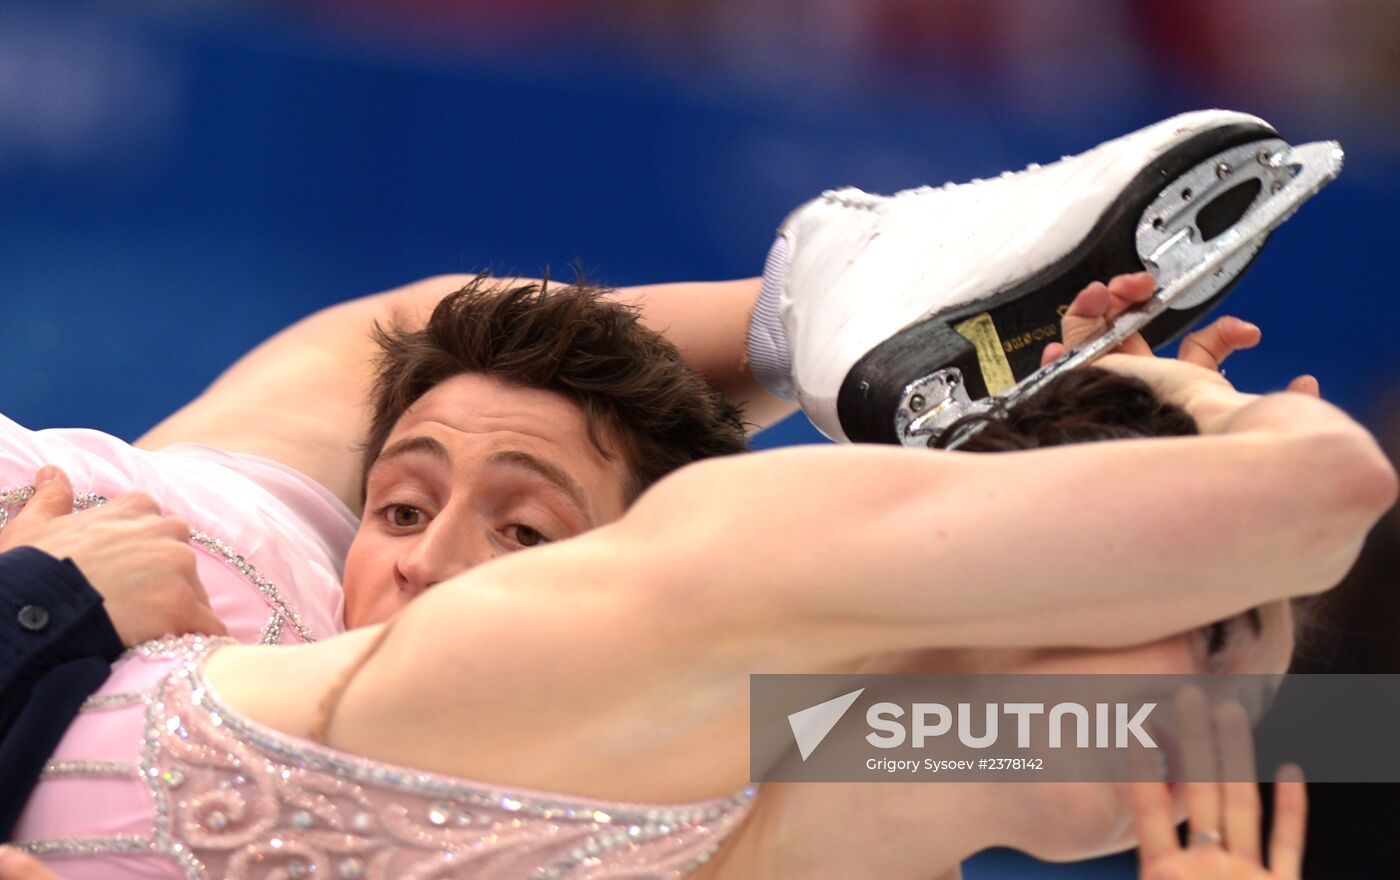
16,497
108,769
232,798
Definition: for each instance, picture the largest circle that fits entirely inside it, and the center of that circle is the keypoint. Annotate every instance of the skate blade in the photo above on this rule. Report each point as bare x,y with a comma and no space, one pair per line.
1184,241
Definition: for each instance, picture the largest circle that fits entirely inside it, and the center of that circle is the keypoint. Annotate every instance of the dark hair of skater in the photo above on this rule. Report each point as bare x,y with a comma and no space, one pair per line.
1081,406
640,399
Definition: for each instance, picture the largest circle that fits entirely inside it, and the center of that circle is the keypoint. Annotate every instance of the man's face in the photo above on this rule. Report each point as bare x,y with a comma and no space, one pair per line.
476,468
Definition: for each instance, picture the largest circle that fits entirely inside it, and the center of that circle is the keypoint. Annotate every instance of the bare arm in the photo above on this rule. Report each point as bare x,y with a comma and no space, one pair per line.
809,560
301,398
1097,545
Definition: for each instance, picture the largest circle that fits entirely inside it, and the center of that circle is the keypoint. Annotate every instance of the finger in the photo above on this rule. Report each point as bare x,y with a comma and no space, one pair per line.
197,587
1053,352
1083,320
176,528
1306,384
1123,292
204,621
53,496
1154,814
1127,291
1211,345
1135,345
1290,823
1198,762
1091,302
1241,790
1098,304
16,865
138,502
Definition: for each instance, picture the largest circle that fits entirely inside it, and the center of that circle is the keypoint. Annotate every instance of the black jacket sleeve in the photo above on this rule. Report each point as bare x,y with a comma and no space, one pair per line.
56,648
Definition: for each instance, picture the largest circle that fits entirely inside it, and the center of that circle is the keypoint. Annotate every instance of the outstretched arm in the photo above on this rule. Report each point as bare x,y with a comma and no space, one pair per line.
1104,544
812,559
301,398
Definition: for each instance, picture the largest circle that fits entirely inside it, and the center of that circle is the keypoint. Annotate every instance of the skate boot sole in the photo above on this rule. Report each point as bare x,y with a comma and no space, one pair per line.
1195,256
996,342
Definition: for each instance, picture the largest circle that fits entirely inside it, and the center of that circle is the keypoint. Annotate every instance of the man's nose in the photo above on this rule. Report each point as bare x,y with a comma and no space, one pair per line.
438,553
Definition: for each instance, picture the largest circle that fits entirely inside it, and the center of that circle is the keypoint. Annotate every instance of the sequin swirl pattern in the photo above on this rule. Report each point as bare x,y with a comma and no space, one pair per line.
15,498
236,799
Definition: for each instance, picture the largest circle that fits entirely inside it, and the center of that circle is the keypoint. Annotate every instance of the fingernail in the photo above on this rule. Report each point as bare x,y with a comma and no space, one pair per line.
45,475
1250,325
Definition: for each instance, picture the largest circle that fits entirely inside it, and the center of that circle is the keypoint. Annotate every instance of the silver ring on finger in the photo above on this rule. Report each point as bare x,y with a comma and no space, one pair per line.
1206,838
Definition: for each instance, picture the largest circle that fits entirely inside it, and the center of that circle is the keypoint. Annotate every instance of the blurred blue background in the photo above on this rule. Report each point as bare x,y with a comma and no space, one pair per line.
178,181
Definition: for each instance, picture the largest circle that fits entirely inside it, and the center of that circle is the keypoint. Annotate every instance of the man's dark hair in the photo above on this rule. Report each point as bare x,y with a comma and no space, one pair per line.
640,399
1079,406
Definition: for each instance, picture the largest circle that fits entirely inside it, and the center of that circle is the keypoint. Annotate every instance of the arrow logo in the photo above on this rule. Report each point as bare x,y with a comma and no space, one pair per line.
811,725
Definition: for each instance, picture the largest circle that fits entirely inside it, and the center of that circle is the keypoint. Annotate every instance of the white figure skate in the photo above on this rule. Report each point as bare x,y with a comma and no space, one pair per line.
888,318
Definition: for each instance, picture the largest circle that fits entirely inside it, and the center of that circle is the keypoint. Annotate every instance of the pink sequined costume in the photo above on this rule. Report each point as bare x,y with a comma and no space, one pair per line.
274,541
158,778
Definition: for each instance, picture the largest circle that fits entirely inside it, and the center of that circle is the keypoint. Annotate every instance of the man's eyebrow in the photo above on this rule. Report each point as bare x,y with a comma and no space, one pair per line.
420,443
544,468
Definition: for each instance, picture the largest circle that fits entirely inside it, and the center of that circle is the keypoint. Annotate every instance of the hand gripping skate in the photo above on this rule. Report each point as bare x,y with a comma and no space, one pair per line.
1196,237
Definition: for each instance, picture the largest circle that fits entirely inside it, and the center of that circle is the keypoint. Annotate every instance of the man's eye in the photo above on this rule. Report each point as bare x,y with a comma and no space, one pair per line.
404,517
526,536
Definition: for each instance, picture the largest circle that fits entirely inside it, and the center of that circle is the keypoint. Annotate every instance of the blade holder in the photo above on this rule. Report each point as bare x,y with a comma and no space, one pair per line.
1178,243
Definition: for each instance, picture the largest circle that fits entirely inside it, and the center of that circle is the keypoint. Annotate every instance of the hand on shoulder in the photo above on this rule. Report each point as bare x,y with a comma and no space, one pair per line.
139,560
